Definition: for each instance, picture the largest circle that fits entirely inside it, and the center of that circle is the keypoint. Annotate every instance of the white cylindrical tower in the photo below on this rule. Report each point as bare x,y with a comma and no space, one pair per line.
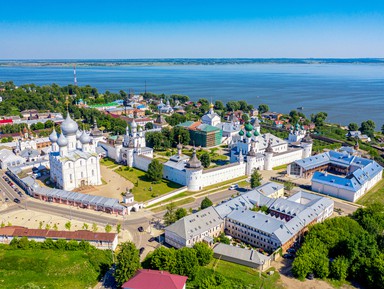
307,146
268,157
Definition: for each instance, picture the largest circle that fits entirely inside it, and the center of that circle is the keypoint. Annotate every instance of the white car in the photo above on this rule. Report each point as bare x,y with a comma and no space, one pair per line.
234,187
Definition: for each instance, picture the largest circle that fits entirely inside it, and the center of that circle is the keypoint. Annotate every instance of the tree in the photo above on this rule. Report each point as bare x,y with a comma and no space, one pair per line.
205,159
180,134
94,227
368,127
68,225
319,118
47,226
108,228
245,117
382,129
205,203
180,213
170,215
263,108
204,253
353,126
163,259
127,262
219,105
233,105
85,226
288,186
155,171
256,179
55,227
118,228
149,125
186,262
339,268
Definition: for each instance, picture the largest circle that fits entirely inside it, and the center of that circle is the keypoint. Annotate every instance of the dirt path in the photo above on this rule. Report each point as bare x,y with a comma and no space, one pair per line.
115,184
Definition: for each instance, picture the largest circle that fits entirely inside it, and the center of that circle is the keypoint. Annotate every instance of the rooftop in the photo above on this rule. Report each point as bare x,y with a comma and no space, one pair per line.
154,279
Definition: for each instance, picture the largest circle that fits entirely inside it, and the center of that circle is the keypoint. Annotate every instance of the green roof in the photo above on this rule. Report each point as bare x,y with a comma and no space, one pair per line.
103,104
241,132
248,127
248,134
256,133
186,124
207,128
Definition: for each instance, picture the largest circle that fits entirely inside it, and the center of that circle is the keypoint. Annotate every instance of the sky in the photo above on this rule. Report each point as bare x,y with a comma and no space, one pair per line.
117,29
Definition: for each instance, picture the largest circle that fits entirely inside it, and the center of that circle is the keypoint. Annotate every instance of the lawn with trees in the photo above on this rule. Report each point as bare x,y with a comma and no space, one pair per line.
60,264
346,248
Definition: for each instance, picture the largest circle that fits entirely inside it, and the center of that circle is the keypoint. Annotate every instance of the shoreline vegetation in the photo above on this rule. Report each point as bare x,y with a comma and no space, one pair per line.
181,61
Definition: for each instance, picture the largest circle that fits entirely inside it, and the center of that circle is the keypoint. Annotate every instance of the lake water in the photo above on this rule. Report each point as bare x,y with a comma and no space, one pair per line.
348,92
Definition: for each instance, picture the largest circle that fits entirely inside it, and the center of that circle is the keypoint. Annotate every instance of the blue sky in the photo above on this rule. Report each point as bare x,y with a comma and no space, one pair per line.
156,29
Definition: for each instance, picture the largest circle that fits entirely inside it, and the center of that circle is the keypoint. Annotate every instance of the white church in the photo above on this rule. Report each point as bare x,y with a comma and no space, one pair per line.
73,159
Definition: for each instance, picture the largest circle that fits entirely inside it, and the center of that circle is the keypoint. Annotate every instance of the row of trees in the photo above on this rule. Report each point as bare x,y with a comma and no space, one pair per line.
184,261
167,138
366,127
346,248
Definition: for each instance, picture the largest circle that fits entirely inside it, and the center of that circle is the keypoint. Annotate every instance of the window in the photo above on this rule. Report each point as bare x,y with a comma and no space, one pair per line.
93,173
82,174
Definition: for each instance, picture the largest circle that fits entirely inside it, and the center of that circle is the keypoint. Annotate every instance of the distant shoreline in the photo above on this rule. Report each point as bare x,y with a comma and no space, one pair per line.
181,61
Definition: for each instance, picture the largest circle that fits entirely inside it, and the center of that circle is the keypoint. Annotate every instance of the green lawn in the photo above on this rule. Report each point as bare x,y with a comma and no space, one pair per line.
142,186
282,167
376,194
108,162
46,269
177,204
242,276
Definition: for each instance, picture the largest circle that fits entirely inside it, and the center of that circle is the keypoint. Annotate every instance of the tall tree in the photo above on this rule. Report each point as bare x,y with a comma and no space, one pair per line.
263,108
170,215
219,105
256,179
205,203
127,262
205,159
368,127
155,171
203,252
353,126
180,213
319,118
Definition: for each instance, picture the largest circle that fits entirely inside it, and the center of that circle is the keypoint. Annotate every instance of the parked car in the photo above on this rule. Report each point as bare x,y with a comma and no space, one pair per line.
288,256
310,276
234,187
151,239
141,229
20,194
291,250
16,200
141,250
6,199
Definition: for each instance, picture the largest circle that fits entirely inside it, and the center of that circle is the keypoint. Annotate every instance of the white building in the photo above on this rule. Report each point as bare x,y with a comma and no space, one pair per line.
129,149
8,159
73,160
211,118
284,221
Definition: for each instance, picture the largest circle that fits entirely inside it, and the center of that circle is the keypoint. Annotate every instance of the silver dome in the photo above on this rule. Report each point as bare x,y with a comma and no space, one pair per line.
78,134
69,126
85,138
133,124
62,141
53,136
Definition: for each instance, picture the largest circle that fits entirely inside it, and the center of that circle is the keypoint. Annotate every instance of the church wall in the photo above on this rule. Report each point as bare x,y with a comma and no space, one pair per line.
223,174
286,158
141,162
112,152
174,175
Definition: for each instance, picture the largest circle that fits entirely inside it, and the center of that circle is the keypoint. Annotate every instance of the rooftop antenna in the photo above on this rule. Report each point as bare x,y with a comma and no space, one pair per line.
74,75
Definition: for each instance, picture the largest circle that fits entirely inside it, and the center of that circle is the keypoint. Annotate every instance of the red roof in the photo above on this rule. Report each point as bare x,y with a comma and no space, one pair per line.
17,231
153,279
6,121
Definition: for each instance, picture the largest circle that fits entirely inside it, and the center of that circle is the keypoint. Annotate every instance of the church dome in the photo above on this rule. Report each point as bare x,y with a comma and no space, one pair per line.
85,138
307,138
53,136
248,127
133,124
256,133
241,132
194,162
78,134
62,141
69,126
248,134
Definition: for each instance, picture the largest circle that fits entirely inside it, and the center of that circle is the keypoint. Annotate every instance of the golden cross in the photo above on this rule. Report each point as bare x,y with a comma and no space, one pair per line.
66,102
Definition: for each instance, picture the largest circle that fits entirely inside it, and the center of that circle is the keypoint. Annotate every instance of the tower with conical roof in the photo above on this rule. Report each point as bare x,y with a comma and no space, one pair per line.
194,172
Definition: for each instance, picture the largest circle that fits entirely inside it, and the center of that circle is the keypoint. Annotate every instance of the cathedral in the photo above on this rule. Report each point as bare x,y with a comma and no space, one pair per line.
73,159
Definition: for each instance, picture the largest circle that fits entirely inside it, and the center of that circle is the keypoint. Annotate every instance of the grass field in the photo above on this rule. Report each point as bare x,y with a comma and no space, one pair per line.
376,194
141,190
177,204
242,276
46,269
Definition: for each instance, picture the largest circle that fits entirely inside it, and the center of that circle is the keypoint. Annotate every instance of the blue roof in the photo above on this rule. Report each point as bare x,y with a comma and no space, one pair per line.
336,181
